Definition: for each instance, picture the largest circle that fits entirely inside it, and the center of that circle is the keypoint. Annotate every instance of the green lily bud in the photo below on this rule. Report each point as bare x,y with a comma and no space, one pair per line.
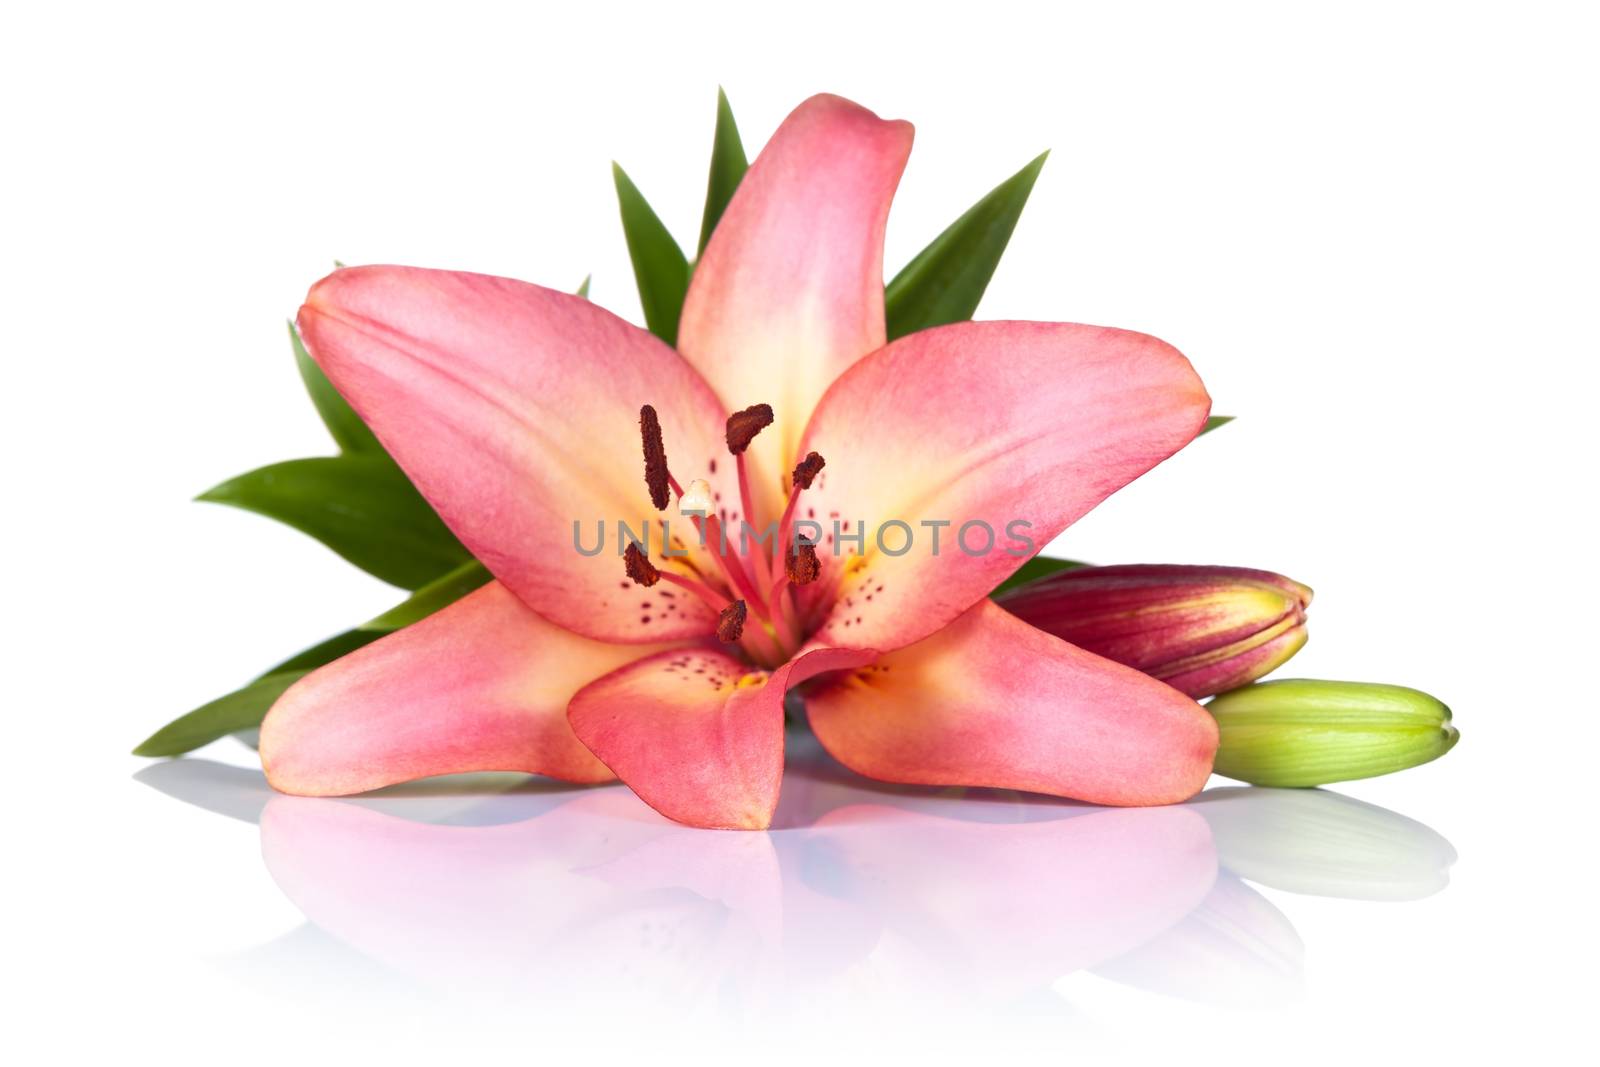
1299,732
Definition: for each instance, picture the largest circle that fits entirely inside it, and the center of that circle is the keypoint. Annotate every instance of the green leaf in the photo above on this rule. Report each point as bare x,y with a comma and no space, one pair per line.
243,709
439,593
239,710
327,651
442,591
1036,568
946,280
728,164
659,266
361,506
583,290
1214,421
346,427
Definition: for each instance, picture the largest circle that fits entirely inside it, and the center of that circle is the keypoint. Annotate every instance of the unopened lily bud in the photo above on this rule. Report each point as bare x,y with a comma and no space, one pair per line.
1202,630
1305,733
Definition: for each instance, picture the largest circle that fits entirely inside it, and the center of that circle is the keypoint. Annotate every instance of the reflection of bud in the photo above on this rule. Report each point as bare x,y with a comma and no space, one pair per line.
1202,630
1320,843
1303,733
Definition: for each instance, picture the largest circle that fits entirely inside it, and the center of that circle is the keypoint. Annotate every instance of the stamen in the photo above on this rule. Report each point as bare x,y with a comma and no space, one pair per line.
744,425
730,624
640,569
806,471
655,457
645,573
801,564
763,572
714,600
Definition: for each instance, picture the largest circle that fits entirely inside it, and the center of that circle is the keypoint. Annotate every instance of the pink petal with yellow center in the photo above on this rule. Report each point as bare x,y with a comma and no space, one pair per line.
789,292
991,701
482,685
697,734
1018,428
515,410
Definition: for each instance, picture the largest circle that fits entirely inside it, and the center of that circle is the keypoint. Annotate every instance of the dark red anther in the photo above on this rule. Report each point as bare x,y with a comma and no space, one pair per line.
730,624
744,425
801,564
655,457
640,569
806,471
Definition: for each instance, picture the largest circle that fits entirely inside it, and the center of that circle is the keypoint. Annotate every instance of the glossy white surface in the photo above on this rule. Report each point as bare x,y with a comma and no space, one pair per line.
476,912
1371,226
864,903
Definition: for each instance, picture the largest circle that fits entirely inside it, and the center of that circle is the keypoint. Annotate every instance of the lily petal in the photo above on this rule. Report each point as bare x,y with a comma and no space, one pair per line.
697,734
1018,428
991,701
515,410
789,292
481,685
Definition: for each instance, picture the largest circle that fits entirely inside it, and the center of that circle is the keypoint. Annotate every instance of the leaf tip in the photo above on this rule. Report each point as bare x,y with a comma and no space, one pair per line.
1030,173
217,494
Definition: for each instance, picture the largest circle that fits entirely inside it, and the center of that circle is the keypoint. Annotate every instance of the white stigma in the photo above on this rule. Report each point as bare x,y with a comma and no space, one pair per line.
696,499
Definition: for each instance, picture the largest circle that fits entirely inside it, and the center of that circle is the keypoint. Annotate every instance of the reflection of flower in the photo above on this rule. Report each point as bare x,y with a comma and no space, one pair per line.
588,891
515,408
966,897
1235,949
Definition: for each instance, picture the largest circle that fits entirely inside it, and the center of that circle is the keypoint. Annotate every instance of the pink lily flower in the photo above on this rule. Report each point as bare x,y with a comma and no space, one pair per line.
521,414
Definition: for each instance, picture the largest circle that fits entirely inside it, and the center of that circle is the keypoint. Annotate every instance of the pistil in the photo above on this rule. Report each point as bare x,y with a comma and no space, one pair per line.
757,585
658,479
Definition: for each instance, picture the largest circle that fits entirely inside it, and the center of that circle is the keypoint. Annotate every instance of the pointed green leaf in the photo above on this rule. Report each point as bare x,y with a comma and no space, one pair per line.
244,708
659,265
327,651
1036,568
1214,421
728,164
444,590
241,709
945,281
346,427
583,290
361,506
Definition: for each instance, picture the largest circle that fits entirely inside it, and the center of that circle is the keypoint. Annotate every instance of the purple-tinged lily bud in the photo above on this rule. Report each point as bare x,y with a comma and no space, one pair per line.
1202,630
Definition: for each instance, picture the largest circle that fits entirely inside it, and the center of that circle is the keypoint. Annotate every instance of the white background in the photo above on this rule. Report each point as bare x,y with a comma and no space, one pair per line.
1373,228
